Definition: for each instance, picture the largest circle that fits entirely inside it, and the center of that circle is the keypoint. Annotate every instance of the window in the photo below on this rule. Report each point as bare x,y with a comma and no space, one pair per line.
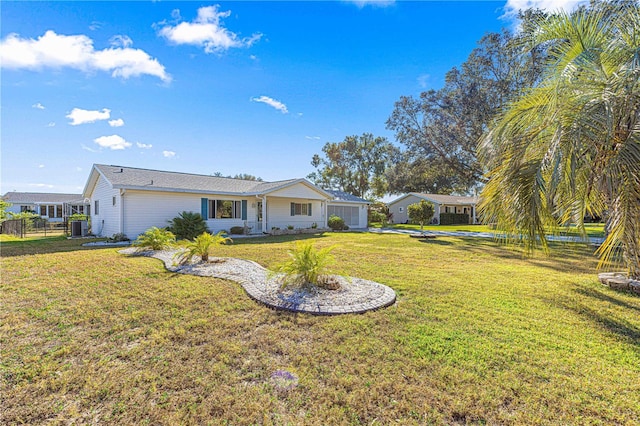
27,209
113,201
225,209
300,209
52,211
43,210
58,211
96,208
401,209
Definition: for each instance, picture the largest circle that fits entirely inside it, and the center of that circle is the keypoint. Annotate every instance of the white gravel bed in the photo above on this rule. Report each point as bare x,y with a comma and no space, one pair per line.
355,295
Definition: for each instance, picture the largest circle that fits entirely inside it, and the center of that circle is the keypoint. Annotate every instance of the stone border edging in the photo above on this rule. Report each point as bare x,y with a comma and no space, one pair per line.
355,296
619,281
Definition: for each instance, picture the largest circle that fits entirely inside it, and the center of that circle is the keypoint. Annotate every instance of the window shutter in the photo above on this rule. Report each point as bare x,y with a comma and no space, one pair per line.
244,209
204,208
293,209
309,210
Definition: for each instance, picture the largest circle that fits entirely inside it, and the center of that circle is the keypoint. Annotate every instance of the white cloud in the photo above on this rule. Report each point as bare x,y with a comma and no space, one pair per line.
374,3
41,166
76,51
312,138
272,102
114,142
168,154
206,30
118,122
51,124
423,80
37,106
86,148
83,116
144,145
513,6
41,185
78,169
121,41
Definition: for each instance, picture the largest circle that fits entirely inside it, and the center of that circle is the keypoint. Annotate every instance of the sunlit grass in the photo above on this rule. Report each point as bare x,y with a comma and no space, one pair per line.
479,334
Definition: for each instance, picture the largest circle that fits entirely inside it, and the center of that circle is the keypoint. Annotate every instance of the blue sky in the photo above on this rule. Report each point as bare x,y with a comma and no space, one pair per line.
231,87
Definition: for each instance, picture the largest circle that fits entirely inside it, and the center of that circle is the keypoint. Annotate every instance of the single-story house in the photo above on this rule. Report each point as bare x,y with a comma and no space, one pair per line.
54,207
441,204
130,200
354,210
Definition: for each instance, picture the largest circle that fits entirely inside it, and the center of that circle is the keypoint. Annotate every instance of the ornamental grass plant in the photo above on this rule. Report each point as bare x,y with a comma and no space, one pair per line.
155,238
203,245
306,266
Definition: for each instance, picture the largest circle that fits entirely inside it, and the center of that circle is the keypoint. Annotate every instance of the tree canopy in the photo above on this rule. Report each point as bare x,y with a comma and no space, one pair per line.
440,129
571,145
421,212
356,165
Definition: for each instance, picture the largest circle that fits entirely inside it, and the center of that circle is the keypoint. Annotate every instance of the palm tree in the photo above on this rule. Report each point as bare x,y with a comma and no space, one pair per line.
571,145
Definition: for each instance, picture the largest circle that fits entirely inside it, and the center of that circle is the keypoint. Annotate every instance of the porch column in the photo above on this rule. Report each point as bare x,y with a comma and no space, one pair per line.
473,213
264,214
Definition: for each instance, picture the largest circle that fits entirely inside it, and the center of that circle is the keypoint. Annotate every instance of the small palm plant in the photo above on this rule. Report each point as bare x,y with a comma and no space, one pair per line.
187,225
306,267
203,244
155,238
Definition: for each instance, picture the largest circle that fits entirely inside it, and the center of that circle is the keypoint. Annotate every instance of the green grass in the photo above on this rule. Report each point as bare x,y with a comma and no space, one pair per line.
592,229
479,334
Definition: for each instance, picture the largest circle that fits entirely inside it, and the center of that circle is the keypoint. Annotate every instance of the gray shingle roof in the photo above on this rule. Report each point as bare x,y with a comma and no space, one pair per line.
130,177
40,197
345,196
448,199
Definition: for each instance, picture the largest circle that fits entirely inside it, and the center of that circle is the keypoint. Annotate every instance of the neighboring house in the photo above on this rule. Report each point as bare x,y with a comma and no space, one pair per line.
130,200
354,210
441,204
51,206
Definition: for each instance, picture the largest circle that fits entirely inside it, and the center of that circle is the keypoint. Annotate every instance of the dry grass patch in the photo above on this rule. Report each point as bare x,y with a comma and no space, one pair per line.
479,335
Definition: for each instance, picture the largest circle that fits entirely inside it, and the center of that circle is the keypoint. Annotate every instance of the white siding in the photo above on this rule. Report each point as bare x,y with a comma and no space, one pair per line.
144,209
399,208
279,213
298,190
108,219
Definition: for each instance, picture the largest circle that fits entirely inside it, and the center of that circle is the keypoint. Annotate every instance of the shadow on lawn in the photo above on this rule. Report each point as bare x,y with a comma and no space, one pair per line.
43,246
560,254
617,326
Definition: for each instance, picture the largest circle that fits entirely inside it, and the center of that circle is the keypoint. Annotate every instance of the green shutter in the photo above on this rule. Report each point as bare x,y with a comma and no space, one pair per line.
309,211
244,209
293,209
204,208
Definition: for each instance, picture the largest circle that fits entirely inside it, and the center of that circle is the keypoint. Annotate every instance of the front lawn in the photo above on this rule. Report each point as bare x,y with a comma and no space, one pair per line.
479,334
591,229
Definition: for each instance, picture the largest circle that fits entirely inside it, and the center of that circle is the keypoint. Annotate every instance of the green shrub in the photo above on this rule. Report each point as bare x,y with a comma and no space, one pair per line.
377,217
306,266
236,230
454,219
187,225
155,238
78,216
203,244
336,223
289,227
421,212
